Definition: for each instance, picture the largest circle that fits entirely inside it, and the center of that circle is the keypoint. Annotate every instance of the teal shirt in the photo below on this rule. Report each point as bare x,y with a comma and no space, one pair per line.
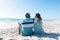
28,20
25,31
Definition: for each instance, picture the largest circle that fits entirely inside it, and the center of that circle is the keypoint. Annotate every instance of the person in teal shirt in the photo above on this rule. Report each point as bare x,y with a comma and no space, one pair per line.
27,25
38,24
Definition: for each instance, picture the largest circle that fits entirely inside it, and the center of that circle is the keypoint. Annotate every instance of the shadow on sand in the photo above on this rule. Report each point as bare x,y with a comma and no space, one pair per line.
49,35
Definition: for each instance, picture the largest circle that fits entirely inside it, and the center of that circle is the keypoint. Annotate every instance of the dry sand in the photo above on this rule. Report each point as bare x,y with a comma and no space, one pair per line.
52,28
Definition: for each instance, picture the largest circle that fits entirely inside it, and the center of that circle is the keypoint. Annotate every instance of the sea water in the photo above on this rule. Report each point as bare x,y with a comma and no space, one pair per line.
9,20
20,20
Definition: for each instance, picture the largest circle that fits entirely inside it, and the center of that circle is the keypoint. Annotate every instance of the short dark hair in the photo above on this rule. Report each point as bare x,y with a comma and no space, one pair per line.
27,15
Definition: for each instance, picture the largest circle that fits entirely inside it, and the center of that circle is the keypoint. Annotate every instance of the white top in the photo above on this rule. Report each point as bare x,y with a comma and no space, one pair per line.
35,20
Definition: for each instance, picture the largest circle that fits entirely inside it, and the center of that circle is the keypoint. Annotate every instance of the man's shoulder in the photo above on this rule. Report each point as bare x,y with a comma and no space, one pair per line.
29,20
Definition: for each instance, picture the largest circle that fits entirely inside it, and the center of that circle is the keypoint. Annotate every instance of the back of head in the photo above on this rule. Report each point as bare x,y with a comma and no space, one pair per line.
38,16
27,15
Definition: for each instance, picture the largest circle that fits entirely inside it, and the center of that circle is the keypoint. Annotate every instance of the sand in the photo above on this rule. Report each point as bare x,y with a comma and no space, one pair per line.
51,28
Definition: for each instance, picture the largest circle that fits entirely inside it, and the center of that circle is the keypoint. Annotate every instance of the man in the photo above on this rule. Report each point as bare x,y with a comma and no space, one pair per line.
27,25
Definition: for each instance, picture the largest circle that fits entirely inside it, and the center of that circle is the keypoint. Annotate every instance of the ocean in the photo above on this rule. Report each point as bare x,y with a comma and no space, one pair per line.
19,20
9,20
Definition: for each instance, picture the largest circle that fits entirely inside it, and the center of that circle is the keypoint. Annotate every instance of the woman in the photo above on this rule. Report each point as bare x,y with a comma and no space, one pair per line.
38,25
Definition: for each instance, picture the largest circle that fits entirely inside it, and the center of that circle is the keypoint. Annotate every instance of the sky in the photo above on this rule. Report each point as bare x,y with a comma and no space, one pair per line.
49,9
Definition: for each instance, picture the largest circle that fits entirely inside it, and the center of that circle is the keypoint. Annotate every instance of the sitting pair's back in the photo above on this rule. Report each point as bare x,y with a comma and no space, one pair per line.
27,26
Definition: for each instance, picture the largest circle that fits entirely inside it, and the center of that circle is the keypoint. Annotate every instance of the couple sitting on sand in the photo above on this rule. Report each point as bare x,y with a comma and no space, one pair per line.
31,25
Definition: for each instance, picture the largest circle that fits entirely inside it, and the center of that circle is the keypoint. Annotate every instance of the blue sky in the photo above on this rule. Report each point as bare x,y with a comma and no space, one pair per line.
49,9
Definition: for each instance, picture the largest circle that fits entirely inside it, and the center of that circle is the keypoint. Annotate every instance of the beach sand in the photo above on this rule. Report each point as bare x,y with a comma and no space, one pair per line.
51,29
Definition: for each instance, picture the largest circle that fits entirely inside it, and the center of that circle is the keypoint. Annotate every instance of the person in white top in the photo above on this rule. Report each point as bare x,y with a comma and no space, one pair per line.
38,24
